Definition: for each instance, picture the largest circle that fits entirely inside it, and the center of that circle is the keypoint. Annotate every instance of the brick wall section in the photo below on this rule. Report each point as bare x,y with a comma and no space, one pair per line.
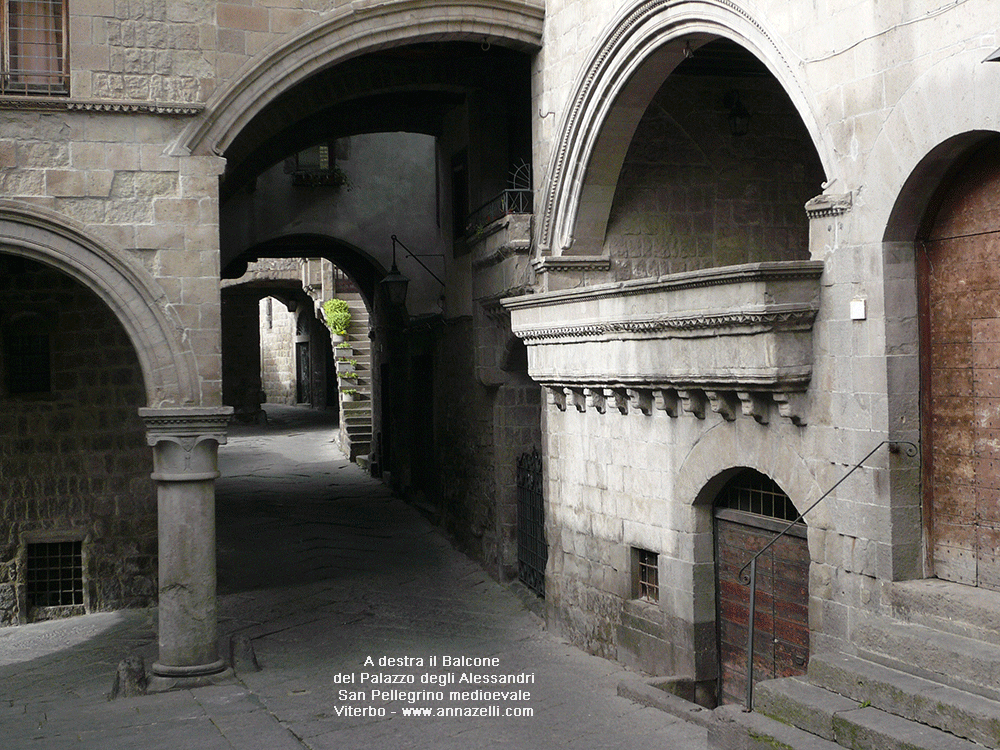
691,195
77,459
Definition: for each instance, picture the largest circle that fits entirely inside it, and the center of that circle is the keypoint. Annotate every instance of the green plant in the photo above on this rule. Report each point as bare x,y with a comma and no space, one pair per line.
349,375
349,391
344,345
338,316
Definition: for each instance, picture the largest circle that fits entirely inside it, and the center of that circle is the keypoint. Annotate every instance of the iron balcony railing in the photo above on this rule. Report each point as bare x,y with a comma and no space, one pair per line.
750,578
508,202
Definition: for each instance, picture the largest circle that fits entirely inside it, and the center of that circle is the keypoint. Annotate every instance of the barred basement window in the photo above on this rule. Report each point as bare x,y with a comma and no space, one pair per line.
54,574
648,570
34,46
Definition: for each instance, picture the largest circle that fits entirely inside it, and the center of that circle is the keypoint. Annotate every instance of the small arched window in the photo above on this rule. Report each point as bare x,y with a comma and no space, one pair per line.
752,492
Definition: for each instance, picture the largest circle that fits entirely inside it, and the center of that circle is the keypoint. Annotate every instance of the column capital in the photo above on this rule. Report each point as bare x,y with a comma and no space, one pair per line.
177,422
185,441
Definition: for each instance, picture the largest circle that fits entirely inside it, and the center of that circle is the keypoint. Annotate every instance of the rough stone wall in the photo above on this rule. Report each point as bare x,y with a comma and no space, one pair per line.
608,489
75,460
146,50
277,352
691,195
464,443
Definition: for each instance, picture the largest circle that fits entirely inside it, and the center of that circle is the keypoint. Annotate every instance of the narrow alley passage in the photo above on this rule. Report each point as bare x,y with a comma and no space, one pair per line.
334,583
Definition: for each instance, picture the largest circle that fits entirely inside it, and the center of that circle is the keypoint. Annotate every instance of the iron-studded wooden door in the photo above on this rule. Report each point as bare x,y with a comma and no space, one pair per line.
532,550
750,511
959,273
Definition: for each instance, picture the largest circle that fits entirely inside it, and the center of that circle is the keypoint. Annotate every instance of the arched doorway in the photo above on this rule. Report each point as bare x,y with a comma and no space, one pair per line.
960,337
750,510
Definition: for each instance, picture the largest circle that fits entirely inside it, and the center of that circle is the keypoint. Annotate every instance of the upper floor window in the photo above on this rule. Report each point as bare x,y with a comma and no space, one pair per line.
34,47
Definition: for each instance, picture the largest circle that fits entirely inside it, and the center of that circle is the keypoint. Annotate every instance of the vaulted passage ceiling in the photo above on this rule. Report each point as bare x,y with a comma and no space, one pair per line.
406,89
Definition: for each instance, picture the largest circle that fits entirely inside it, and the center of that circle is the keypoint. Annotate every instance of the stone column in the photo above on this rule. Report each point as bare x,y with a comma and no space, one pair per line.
185,444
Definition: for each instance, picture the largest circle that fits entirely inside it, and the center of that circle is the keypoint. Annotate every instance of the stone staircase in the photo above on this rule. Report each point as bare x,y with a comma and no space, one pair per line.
926,682
356,415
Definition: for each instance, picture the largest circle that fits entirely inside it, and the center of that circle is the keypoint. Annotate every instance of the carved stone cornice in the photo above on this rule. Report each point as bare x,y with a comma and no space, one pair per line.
828,205
706,277
121,106
571,263
786,320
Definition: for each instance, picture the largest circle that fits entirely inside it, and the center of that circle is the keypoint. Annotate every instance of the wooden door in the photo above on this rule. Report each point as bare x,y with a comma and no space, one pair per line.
742,528
959,273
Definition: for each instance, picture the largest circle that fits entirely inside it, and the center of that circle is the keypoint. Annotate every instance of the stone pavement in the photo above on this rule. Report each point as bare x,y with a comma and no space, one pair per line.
321,568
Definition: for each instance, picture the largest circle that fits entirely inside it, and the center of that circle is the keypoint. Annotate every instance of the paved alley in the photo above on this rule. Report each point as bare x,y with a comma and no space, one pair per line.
371,631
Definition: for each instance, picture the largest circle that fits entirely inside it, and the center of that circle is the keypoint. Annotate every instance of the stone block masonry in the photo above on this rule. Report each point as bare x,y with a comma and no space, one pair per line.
74,459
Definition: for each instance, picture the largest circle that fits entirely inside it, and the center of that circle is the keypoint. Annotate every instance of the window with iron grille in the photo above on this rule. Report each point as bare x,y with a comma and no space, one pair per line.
753,492
54,574
647,575
34,42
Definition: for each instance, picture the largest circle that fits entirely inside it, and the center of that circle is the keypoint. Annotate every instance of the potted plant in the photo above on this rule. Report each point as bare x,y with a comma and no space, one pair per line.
347,365
338,318
349,394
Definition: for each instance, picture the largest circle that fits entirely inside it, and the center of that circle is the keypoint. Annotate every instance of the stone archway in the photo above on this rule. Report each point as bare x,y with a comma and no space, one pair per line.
169,370
960,331
348,32
700,479
644,44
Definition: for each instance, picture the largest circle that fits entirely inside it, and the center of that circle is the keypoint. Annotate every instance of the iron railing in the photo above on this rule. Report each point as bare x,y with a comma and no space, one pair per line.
750,578
532,550
508,202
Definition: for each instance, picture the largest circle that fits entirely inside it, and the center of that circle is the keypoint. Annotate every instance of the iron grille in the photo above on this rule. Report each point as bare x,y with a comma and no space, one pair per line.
649,575
532,551
34,47
54,575
753,492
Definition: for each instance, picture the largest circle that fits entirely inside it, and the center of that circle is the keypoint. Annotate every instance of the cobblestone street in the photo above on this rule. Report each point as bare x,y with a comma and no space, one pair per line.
321,568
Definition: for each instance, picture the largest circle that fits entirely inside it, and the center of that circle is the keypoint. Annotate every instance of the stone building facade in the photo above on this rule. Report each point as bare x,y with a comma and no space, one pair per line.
757,250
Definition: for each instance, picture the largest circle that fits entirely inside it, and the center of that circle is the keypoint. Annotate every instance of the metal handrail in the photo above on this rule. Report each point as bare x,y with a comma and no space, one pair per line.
750,579
510,201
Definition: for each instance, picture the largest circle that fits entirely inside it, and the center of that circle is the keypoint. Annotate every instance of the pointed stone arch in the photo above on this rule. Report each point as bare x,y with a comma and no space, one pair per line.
349,31
169,369
638,50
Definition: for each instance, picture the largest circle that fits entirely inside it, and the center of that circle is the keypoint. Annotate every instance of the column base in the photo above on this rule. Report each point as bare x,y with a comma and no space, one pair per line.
164,678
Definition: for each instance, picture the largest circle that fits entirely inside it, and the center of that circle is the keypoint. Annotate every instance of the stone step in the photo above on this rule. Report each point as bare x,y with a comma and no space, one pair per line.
735,729
849,723
956,711
958,661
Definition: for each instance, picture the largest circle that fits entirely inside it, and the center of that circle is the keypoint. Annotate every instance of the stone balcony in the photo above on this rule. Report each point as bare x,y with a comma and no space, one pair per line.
734,340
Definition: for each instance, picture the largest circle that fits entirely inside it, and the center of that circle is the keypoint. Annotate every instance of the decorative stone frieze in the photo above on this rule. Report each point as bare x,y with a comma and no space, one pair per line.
828,205
731,341
53,104
570,271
